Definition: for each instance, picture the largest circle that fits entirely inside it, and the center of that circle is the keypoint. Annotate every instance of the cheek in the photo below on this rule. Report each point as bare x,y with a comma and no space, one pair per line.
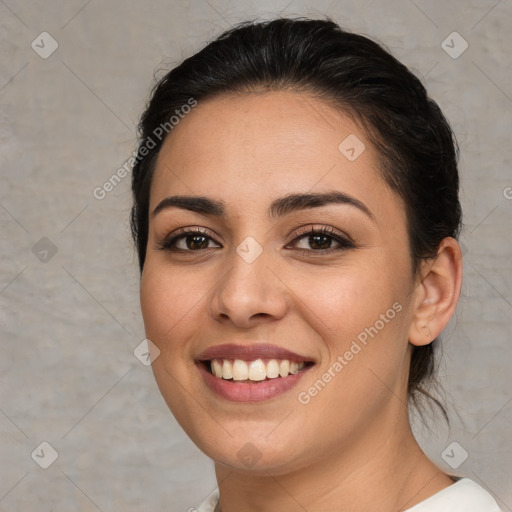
364,355
347,300
168,303
360,312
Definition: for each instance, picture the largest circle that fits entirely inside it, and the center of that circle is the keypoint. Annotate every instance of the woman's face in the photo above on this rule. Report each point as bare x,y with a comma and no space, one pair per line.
301,263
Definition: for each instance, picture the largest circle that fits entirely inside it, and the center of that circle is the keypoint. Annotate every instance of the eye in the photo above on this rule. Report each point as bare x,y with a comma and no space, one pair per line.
310,240
321,240
187,240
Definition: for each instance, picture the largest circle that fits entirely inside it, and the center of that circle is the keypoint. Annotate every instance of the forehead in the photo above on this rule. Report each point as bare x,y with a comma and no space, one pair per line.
251,146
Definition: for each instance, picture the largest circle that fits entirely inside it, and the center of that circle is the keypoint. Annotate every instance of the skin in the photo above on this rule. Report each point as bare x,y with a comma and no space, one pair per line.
350,447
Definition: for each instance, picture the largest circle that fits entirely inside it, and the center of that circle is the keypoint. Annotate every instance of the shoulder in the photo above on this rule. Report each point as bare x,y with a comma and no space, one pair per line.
464,495
209,504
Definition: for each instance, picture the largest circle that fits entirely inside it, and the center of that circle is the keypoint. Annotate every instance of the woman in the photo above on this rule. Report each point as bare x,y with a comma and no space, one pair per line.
296,213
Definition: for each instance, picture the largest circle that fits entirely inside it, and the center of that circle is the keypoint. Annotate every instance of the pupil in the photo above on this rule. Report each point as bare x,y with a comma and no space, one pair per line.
314,240
196,239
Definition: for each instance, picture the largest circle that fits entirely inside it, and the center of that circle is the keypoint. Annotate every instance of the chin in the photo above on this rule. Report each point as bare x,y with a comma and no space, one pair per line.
248,454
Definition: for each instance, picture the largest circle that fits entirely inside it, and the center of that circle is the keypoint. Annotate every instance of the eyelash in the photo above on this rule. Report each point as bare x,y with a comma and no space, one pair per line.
168,244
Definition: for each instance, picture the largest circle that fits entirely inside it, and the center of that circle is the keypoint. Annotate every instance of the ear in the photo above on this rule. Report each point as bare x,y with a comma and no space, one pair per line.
436,293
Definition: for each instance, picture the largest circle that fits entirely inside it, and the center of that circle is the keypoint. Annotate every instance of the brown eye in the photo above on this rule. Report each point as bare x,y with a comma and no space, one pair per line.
321,240
188,241
193,242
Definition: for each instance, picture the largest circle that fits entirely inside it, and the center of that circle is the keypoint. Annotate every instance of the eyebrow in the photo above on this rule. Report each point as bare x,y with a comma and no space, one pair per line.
279,207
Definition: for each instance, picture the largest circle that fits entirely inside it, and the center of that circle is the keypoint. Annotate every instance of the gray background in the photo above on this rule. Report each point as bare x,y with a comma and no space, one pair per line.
70,321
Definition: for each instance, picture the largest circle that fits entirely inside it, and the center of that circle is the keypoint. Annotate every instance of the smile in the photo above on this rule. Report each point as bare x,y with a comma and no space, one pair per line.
251,372
254,371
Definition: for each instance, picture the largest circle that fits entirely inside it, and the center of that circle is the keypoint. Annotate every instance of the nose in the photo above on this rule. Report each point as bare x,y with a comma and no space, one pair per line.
249,293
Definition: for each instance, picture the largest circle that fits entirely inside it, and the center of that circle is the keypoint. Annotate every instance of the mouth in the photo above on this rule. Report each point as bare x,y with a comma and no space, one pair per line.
257,370
250,373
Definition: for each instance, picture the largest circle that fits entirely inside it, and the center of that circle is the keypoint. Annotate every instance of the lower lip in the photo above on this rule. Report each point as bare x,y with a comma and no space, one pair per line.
249,392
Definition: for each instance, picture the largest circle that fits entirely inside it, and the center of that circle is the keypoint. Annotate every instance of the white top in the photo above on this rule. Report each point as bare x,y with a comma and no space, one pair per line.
464,495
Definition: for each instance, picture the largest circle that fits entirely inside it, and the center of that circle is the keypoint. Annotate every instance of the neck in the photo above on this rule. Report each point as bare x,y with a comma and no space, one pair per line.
380,471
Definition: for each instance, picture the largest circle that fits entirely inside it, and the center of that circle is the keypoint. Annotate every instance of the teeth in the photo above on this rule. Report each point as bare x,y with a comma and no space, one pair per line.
273,369
217,368
227,370
255,370
240,370
284,368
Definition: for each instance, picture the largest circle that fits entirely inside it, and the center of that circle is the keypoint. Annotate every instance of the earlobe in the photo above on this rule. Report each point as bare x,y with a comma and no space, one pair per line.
436,293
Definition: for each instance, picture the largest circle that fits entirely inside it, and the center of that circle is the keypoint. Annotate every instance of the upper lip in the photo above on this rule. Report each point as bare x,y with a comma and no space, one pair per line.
250,352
